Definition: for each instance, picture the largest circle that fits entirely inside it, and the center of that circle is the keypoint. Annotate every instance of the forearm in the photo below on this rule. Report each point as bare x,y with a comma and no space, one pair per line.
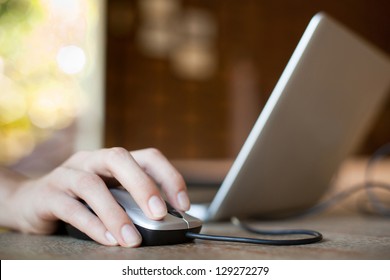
10,182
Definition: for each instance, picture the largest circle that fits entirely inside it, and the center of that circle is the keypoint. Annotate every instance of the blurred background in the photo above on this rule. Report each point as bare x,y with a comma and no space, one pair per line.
188,77
51,80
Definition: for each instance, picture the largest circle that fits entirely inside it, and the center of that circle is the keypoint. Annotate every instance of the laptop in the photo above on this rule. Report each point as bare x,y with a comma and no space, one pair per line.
319,111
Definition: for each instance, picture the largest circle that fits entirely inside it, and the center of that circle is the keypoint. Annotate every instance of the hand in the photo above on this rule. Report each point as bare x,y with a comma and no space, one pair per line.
41,202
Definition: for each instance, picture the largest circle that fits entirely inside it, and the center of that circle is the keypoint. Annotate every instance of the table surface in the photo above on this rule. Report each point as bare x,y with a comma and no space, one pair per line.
345,237
348,234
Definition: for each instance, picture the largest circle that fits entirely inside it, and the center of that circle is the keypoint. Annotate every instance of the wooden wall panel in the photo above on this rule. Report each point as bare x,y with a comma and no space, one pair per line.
149,105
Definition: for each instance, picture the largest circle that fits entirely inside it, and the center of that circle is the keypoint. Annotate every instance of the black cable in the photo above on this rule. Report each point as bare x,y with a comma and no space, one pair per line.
368,185
316,236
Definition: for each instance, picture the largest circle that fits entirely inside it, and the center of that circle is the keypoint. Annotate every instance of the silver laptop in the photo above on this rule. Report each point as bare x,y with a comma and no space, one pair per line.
324,103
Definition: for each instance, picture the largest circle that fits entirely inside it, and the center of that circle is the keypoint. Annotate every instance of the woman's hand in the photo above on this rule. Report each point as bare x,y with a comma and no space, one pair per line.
36,205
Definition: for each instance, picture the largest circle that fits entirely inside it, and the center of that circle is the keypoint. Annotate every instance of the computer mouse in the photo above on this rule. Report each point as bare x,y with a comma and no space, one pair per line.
170,230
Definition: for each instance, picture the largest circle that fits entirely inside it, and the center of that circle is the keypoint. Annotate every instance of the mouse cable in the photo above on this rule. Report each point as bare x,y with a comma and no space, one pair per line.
368,185
316,236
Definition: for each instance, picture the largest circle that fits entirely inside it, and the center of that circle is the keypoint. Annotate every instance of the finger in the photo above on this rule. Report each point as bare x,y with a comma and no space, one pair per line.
162,171
118,163
93,191
75,213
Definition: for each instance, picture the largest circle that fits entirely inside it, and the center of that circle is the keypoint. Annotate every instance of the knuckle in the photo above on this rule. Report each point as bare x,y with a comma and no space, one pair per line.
91,222
88,181
178,179
142,181
80,221
50,182
79,155
82,153
154,152
72,211
117,153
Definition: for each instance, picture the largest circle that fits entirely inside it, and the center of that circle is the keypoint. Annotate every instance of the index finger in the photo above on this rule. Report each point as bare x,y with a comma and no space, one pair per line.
118,163
164,173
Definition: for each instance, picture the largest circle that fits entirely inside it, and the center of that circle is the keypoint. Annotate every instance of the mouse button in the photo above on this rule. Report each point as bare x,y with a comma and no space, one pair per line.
138,217
167,223
192,221
124,199
173,211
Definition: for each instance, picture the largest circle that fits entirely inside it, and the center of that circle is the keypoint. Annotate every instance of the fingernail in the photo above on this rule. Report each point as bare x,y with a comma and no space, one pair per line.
183,200
157,207
111,238
131,236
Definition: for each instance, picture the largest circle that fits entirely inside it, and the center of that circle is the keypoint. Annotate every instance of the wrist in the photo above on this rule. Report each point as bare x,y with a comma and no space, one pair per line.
10,184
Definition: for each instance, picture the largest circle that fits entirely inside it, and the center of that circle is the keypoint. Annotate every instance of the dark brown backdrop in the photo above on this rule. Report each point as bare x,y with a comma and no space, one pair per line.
148,104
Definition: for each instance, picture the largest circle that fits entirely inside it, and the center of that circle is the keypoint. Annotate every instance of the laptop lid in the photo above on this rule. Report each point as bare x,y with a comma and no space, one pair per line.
319,111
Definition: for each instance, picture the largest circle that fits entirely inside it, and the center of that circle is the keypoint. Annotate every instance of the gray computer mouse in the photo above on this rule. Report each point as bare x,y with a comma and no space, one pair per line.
170,230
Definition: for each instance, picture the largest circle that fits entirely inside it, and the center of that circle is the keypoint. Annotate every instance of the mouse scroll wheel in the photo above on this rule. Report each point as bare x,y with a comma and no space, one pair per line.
173,211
